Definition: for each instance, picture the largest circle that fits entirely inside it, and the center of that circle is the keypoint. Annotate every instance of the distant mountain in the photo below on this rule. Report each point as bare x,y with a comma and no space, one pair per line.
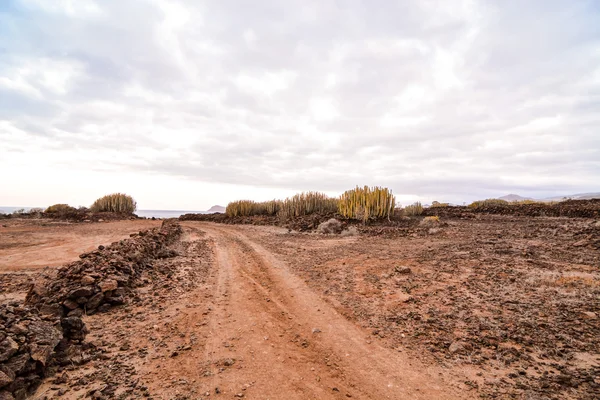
514,197
577,196
216,209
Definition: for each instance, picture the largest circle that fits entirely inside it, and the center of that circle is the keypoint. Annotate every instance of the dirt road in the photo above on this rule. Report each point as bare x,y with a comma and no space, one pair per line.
293,345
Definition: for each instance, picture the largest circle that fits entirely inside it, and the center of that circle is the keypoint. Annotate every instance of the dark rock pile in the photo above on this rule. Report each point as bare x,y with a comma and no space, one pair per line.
48,328
27,342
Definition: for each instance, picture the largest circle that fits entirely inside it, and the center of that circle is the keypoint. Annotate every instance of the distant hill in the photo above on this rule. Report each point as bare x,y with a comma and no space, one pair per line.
216,209
578,196
514,197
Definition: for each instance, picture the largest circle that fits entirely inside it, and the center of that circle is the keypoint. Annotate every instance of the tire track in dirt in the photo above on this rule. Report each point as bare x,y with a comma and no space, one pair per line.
272,337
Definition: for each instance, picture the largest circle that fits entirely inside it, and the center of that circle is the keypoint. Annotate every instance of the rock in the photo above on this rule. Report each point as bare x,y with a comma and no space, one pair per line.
18,329
95,301
8,348
108,285
580,243
589,315
78,312
4,395
458,347
85,291
88,280
41,353
17,364
403,270
70,304
51,310
5,380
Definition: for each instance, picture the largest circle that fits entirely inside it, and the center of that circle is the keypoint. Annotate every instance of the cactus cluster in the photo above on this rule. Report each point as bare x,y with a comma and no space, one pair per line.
117,202
367,203
360,203
307,203
246,208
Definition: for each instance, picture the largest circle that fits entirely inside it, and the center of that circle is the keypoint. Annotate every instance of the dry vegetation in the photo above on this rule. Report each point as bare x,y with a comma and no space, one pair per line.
360,204
117,203
367,203
413,210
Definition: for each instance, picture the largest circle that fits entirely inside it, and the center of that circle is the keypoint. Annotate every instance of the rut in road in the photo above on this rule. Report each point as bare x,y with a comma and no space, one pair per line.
271,337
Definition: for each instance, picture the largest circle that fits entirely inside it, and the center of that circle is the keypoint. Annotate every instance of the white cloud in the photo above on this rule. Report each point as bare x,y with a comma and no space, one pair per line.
445,100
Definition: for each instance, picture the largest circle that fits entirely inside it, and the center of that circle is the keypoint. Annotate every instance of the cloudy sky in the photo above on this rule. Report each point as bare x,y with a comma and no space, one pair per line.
186,104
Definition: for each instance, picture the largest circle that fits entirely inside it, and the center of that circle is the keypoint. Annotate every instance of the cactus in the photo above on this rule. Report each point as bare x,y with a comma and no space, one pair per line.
367,203
117,202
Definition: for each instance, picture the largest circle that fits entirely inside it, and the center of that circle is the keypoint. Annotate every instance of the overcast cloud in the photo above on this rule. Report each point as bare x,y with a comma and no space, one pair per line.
189,103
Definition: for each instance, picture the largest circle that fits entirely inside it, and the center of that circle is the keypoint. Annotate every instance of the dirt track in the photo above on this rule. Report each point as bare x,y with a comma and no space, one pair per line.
259,313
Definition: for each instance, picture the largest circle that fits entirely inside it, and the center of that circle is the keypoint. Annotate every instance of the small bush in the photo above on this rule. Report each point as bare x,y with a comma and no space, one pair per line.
413,210
438,204
117,203
489,203
351,231
330,226
60,209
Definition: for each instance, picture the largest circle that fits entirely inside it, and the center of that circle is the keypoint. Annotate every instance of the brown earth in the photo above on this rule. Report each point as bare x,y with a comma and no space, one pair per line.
27,245
491,306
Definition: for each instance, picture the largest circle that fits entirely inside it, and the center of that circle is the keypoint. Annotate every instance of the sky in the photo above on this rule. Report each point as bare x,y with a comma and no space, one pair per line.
187,104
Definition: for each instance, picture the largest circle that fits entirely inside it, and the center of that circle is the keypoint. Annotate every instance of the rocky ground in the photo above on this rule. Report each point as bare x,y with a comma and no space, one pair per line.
485,306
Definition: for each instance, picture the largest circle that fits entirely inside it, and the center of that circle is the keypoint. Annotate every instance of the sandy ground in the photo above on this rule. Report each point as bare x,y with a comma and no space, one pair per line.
497,307
29,245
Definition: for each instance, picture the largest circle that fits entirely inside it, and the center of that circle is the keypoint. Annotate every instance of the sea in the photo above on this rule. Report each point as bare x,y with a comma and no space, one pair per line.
140,213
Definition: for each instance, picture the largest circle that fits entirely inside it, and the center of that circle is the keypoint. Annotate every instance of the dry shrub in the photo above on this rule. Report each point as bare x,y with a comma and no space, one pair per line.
437,204
367,203
117,203
60,209
413,210
489,203
430,222
330,226
351,231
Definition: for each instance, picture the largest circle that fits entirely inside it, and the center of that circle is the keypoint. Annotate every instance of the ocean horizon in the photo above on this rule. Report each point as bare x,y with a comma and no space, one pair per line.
139,213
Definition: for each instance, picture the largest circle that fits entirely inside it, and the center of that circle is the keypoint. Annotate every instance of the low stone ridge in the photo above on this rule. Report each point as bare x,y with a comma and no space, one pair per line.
47,331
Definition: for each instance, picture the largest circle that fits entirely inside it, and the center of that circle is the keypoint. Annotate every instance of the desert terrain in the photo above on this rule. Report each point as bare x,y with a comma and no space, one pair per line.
472,306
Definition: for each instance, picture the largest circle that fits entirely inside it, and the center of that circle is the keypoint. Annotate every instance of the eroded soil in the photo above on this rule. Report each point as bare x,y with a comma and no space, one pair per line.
497,307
